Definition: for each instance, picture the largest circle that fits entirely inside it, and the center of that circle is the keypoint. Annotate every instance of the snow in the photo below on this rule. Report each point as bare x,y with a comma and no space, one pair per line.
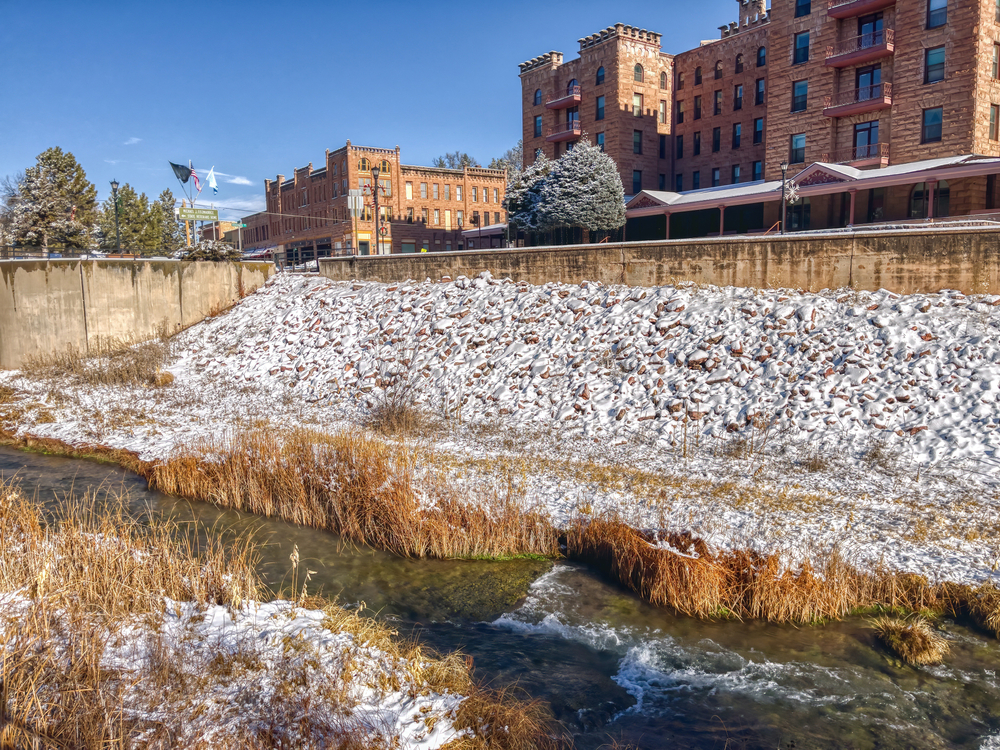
774,419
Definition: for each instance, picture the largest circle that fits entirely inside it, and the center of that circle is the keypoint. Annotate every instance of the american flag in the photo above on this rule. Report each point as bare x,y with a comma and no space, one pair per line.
197,182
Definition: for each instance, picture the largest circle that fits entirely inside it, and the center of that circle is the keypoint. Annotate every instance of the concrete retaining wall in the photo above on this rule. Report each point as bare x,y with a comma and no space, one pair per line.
49,306
902,261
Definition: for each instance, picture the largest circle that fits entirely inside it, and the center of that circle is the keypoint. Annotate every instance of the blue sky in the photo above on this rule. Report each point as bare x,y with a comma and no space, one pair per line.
257,89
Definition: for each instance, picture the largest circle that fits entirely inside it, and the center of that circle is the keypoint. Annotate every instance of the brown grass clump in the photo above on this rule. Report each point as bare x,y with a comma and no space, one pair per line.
983,603
913,640
111,361
358,487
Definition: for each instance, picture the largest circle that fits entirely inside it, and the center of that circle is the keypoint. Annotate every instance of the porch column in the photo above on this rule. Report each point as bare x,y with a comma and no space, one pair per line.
931,186
666,236
722,219
850,221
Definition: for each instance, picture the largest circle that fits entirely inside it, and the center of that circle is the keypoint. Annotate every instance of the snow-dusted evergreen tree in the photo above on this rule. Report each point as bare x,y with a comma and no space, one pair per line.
512,160
168,230
55,202
583,190
137,231
524,192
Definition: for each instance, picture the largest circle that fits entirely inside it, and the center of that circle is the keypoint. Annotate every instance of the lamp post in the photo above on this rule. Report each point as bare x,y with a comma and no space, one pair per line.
118,233
378,218
784,210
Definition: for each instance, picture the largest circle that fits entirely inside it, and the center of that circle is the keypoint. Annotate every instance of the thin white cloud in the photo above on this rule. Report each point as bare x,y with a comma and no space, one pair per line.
238,181
112,161
132,141
242,205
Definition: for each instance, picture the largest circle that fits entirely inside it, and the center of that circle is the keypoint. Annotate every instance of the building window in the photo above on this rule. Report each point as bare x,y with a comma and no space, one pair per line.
736,174
997,16
383,167
458,218
680,112
697,107
759,93
737,134
919,199
718,70
364,165
538,97
758,171
739,63
423,216
447,192
761,57
717,103
738,97
697,143
697,76
434,190
599,79
663,111
679,142
475,194
636,181
600,141
475,218
800,95
409,191
716,177
801,48
385,185
758,130
538,126
797,152
496,195
994,122
572,87
802,8
663,147
636,141
663,81
486,191
663,182
934,64
637,73
423,190
409,215
678,182
996,59
680,76
931,131
437,216
600,108
637,105
866,140
458,192
937,13
695,180
716,139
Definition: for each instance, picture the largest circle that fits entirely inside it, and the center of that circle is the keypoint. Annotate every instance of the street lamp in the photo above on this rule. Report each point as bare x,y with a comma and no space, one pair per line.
784,210
378,217
118,233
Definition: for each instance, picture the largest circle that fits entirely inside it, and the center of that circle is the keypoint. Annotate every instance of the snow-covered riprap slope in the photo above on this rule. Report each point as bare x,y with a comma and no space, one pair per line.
768,419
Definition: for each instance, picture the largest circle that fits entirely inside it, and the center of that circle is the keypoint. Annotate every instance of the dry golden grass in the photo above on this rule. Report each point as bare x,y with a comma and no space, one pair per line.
913,639
86,578
359,487
111,361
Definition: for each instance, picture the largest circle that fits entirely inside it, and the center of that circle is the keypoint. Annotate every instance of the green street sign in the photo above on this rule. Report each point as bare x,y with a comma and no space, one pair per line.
197,214
239,226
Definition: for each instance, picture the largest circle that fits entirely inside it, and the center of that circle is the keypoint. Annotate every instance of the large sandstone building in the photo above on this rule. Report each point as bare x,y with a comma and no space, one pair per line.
422,209
880,110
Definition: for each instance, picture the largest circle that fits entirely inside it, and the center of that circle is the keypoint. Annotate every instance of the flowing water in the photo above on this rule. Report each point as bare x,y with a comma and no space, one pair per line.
612,667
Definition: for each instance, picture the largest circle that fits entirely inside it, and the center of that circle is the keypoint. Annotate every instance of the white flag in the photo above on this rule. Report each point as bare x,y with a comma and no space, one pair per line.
211,181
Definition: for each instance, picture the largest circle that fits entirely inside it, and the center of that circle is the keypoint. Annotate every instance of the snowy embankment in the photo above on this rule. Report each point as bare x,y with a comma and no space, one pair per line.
764,418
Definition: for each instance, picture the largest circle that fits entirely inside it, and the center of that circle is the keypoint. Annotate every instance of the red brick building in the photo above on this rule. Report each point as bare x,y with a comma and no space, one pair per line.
860,85
423,209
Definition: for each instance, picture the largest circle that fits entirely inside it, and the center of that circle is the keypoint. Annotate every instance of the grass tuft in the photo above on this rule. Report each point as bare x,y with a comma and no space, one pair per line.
112,361
913,639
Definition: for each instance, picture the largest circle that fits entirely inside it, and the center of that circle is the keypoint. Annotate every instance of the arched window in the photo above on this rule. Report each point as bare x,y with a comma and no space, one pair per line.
538,97
697,76
680,81
383,167
572,86
739,63
663,80
718,70
919,197
600,76
761,57
364,165
637,73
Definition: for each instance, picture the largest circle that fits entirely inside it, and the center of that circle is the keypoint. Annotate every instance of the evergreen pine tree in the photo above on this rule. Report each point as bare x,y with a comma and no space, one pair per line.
133,220
523,194
170,232
55,203
583,190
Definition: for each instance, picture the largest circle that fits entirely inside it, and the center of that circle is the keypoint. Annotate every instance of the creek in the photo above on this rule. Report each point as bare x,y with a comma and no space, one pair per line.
611,666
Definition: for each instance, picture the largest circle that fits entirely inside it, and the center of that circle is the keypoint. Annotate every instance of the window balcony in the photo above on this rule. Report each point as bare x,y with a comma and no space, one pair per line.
567,131
860,49
859,101
851,8
872,155
572,99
